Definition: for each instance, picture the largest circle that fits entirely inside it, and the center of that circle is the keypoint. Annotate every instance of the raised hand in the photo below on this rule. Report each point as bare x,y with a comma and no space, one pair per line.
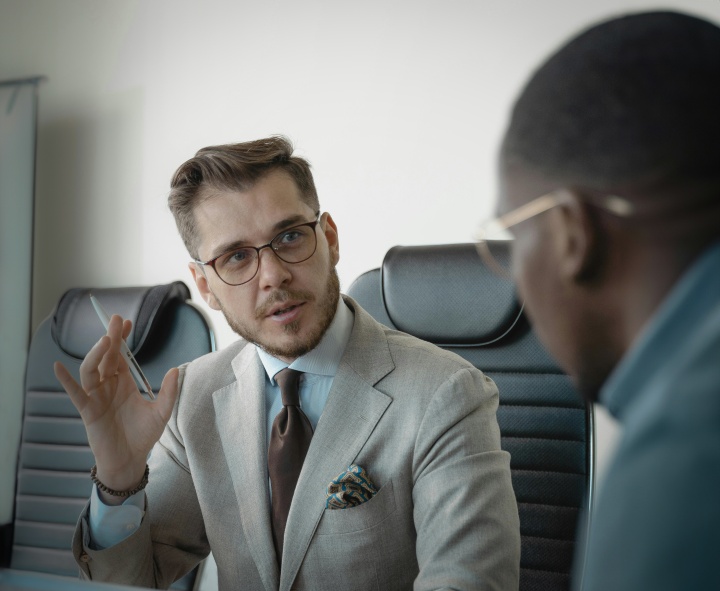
122,426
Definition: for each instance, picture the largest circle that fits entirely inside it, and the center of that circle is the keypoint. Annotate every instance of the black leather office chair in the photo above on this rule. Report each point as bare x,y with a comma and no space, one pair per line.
445,295
53,473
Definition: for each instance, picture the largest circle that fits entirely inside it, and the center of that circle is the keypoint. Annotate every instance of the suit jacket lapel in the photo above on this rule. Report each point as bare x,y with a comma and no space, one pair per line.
240,419
352,411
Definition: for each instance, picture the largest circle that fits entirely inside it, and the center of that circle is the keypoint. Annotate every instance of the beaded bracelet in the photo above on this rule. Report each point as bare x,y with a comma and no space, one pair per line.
120,493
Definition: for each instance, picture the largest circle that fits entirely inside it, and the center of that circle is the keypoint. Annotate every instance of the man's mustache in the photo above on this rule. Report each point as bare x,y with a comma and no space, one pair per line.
279,296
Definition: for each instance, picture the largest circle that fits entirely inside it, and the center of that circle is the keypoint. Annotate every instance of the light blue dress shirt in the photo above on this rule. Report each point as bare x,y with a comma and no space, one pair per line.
656,523
110,525
319,367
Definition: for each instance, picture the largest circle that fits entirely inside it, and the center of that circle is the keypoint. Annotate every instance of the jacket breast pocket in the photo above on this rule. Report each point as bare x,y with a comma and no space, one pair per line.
363,516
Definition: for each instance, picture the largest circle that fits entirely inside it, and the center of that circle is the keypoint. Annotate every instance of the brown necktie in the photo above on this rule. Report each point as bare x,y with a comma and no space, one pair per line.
289,442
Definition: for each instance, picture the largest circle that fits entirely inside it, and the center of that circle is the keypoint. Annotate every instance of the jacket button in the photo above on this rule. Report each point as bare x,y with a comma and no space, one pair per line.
85,557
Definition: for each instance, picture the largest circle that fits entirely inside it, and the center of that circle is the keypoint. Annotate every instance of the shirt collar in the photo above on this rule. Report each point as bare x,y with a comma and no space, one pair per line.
678,319
324,359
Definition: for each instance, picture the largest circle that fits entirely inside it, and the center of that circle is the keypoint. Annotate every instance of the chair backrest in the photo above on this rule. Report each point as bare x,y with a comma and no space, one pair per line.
445,295
53,469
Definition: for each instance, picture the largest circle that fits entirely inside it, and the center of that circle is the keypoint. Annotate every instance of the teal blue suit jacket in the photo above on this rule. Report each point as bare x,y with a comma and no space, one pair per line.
656,523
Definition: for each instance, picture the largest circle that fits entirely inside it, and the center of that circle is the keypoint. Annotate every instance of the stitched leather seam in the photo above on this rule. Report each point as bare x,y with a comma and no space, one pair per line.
542,406
532,471
541,438
564,540
544,570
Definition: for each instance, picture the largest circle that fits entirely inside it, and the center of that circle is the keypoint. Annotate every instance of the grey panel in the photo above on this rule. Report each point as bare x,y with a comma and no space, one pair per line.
44,560
54,484
548,521
546,554
49,404
549,488
43,535
469,308
549,454
536,389
64,431
538,421
56,457
49,509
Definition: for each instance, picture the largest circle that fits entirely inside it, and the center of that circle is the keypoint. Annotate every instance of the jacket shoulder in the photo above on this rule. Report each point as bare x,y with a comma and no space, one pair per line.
211,372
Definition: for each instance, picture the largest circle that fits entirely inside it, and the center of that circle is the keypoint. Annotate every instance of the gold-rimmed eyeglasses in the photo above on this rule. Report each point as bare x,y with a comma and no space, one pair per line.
493,237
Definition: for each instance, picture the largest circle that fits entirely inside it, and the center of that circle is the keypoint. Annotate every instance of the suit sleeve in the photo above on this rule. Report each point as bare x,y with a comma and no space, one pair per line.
465,511
171,538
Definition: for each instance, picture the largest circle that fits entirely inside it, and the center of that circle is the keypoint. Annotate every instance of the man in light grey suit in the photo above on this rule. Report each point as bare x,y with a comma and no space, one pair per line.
407,431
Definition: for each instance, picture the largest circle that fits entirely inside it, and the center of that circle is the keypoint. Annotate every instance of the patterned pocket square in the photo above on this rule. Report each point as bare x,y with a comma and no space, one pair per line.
351,488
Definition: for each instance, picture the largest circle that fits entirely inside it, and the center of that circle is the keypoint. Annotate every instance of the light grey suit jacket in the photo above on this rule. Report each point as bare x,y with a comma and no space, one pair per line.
420,420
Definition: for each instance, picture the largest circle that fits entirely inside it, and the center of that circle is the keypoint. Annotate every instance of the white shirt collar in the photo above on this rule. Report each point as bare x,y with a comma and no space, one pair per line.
323,359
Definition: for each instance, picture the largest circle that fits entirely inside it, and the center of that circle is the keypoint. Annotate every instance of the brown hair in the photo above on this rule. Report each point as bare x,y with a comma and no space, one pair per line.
234,167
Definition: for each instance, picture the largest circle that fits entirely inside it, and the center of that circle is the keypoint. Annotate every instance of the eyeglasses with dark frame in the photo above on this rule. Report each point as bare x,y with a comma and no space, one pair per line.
498,229
240,265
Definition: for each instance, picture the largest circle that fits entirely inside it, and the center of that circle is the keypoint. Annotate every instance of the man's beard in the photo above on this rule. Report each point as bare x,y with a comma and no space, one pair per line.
327,306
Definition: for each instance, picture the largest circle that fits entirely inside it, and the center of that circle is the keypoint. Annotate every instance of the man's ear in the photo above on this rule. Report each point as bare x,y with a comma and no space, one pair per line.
578,239
331,235
201,281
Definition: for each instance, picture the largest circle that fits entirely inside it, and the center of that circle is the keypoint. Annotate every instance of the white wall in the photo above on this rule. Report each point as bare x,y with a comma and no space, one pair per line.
399,105
17,160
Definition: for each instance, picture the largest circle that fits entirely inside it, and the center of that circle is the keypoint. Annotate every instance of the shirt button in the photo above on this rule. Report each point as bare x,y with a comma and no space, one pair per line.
129,527
85,557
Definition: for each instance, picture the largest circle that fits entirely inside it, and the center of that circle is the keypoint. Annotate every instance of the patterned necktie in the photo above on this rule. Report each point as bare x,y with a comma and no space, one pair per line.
289,442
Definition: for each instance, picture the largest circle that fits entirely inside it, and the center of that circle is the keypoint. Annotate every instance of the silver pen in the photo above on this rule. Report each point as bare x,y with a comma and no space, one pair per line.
132,364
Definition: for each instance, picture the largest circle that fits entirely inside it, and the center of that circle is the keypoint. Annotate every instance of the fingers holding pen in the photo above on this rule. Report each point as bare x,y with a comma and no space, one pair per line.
102,365
90,375
105,368
110,363
92,370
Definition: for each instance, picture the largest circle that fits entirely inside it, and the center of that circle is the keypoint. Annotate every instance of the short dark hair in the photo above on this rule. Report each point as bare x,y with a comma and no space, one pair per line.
234,167
632,99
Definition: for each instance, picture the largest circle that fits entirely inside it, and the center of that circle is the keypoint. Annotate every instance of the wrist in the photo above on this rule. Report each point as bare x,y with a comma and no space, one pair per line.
122,475
118,487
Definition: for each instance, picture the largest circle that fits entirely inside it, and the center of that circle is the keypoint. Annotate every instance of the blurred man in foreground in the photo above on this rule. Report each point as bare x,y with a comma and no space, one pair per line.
610,176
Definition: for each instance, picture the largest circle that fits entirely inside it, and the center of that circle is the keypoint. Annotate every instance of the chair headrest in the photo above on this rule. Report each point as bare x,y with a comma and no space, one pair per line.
76,327
437,292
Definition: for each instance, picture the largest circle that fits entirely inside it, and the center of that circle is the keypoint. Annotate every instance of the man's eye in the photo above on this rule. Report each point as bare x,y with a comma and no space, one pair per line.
237,258
290,237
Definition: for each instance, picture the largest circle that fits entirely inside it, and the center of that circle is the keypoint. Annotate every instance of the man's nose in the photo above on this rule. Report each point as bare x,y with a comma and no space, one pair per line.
273,271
